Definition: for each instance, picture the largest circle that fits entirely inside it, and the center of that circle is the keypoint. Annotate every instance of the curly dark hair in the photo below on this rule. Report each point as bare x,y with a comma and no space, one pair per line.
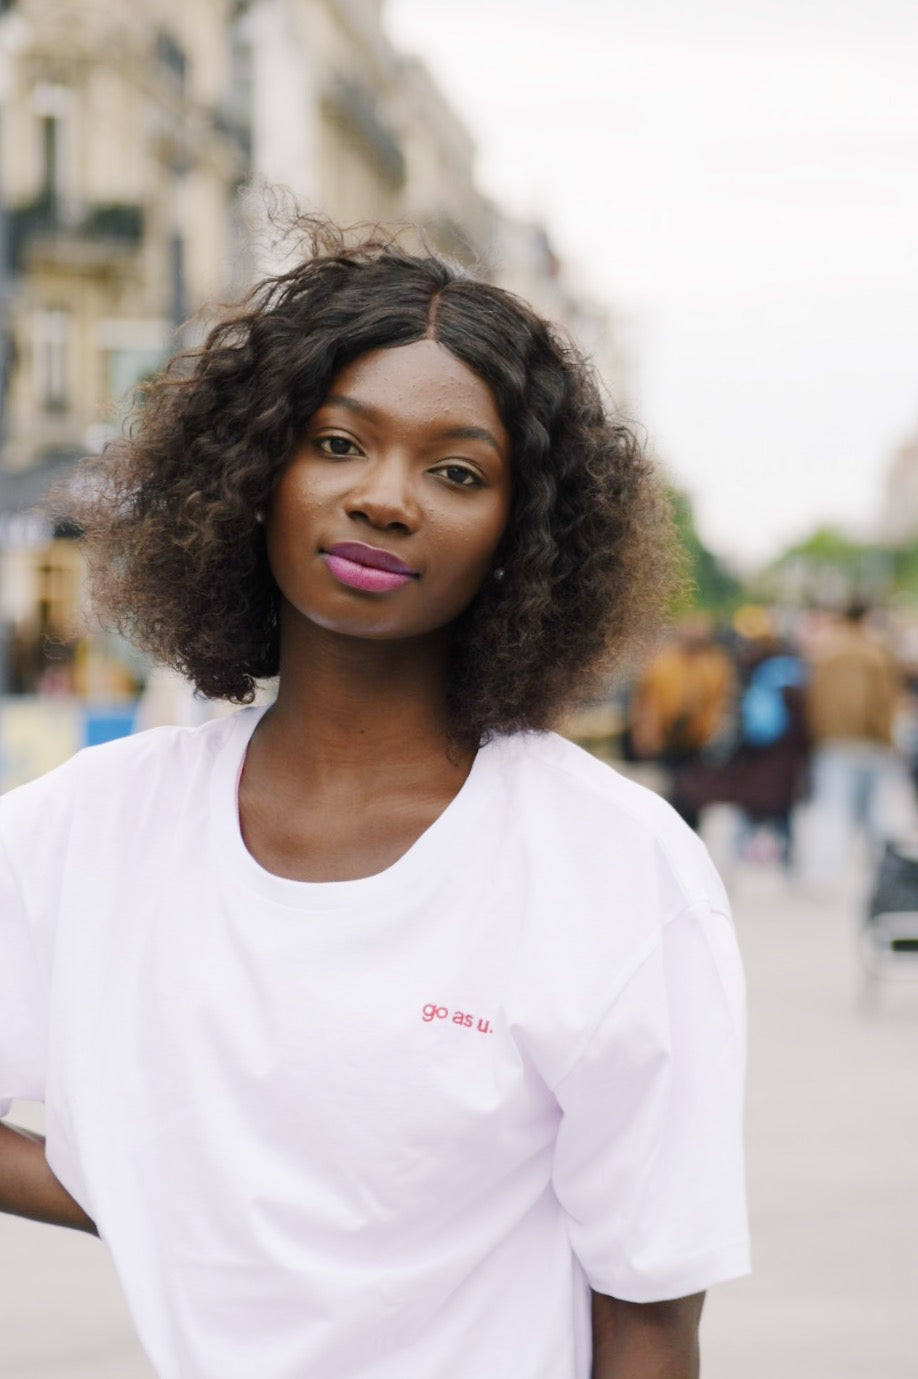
177,558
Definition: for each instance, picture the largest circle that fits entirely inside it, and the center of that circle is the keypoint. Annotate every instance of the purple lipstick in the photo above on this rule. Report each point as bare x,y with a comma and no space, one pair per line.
366,567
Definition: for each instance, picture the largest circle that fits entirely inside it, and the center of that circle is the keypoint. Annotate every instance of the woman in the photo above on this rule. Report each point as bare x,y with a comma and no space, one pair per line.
379,1028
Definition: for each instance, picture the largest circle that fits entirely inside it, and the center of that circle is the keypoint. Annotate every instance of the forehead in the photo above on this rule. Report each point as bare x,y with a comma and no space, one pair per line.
421,381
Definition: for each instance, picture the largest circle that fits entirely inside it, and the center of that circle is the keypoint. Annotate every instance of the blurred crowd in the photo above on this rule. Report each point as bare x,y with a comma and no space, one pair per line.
776,711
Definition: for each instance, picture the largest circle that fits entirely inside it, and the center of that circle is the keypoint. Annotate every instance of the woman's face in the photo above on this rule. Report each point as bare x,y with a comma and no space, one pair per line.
386,521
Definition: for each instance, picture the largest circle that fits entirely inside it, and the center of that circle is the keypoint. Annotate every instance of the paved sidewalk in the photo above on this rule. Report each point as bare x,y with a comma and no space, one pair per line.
833,1167
61,1313
832,1127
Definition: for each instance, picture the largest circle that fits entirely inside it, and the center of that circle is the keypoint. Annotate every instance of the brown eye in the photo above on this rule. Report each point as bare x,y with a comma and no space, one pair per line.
339,446
459,475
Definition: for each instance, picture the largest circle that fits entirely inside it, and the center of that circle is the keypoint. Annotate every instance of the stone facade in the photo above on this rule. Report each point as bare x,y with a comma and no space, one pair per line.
349,127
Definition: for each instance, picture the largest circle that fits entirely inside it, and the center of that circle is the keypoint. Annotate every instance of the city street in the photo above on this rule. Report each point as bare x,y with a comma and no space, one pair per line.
833,1130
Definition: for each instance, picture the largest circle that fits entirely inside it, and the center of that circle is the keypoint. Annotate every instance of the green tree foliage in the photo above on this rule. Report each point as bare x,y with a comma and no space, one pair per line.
830,544
711,587
831,568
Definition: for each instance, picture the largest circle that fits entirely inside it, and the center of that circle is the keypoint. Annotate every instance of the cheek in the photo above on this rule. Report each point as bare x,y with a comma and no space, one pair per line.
287,544
292,513
477,535
470,554
490,535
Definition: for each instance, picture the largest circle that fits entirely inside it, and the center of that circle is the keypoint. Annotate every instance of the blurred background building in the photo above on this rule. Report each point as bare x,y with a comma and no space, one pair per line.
899,517
144,147
150,151
119,165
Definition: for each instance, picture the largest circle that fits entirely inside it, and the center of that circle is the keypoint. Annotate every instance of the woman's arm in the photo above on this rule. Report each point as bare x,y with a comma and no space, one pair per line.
648,1340
29,1188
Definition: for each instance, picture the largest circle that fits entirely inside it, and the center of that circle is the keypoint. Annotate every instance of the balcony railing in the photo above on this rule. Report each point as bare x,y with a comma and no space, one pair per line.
101,227
355,111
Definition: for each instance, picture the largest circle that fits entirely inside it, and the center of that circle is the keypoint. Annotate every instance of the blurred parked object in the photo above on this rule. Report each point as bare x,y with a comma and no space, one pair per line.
890,930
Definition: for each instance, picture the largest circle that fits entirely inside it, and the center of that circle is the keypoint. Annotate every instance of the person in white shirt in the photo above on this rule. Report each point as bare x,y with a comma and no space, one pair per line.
382,1033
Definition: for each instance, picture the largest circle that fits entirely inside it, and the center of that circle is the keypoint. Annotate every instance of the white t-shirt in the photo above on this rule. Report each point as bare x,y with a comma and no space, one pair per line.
390,1128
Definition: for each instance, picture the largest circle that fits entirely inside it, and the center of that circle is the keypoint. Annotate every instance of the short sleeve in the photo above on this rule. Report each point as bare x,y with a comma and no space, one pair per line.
23,995
649,1155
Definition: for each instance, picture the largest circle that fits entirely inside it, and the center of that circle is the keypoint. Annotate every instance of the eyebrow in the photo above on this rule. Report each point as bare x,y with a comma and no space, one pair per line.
450,433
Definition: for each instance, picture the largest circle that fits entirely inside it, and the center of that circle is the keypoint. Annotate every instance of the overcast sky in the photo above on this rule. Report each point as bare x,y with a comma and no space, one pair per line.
739,182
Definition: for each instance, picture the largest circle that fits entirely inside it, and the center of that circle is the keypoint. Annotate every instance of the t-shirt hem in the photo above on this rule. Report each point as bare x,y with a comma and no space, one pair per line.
696,1276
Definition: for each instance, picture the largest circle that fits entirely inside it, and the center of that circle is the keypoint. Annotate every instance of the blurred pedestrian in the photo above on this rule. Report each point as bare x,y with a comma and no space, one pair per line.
383,1033
683,697
851,700
765,774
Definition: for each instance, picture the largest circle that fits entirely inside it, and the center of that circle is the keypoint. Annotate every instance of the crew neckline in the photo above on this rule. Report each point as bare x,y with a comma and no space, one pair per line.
419,869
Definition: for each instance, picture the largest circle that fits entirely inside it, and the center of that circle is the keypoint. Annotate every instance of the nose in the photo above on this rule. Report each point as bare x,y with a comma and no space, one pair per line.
384,496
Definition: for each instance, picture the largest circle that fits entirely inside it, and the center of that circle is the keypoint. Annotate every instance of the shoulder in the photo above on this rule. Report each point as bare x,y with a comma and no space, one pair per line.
586,810
604,872
572,775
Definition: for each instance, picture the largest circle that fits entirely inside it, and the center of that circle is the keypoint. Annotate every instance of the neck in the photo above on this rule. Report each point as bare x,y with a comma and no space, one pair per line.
354,705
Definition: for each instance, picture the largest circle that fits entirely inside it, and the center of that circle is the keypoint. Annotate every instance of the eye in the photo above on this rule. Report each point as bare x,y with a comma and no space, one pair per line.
460,475
339,446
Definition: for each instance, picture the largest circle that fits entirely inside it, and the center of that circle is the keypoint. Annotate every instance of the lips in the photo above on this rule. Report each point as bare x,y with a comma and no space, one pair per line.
371,556
366,568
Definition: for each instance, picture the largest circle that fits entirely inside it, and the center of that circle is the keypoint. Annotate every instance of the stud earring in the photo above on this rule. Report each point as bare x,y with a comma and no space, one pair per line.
498,574
260,516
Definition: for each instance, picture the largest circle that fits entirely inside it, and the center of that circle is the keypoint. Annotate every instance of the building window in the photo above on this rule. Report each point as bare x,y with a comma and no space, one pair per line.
133,350
52,106
171,56
51,341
